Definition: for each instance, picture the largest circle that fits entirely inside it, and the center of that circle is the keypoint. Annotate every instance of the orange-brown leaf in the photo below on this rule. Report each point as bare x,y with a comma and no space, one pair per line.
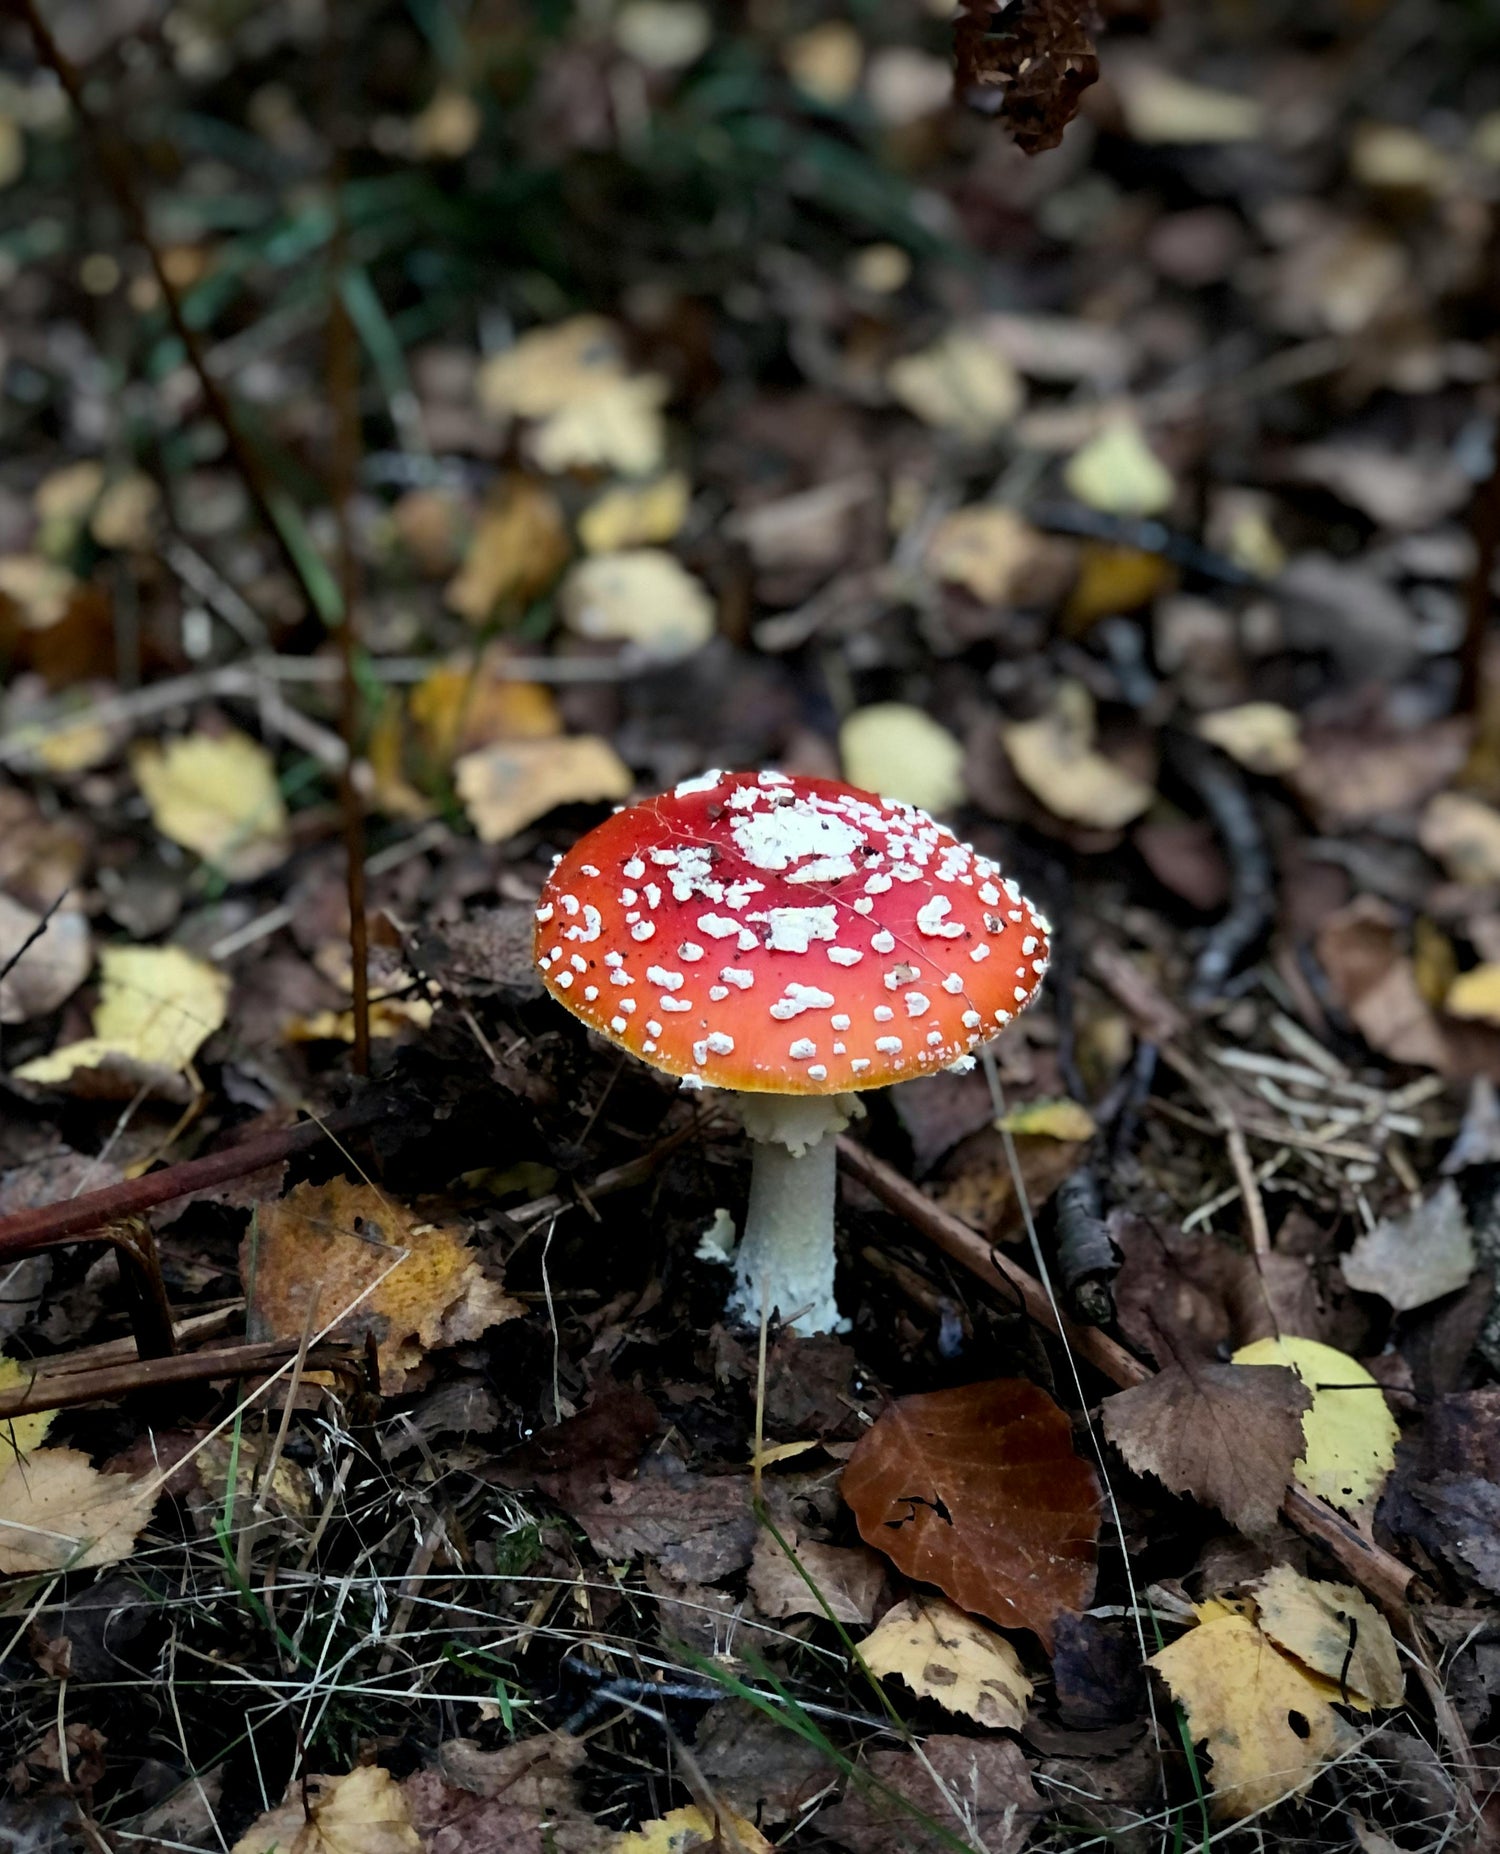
978,1491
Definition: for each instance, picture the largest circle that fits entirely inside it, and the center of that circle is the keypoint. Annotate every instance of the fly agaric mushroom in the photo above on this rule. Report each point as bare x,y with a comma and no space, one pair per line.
794,941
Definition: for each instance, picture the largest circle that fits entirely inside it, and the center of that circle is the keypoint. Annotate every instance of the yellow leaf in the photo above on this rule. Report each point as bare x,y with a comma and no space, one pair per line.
369,1264
902,753
1114,579
1051,1119
960,384
1394,158
157,1006
825,61
1268,1723
510,785
57,1511
635,516
946,1656
1336,1632
996,555
124,515
779,1451
40,590
465,704
519,546
619,428
643,596
19,1435
1160,107
216,794
363,1813
1475,993
1118,473
687,1830
1348,1432
393,792
1263,736
593,412
663,35
447,128
62,502
1054,758
1463,834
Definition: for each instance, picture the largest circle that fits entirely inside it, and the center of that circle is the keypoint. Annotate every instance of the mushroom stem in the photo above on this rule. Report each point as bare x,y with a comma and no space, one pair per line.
785,1261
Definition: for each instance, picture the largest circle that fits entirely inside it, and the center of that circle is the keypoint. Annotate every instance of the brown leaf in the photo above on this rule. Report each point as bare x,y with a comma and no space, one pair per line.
1224,1434
371,1265
1027,64
574,1460
848,1580
978,1491
757,1766
695,1526
1180,1298
978,1788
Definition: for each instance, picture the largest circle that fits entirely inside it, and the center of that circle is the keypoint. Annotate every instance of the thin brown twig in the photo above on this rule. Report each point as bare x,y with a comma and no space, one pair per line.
59,1390
118,166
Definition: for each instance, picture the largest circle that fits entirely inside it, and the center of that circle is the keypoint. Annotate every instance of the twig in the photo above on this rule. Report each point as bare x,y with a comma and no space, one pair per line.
60,1390
1375,1570
1087,1259
30,1231
1484,525
1252,884
119,166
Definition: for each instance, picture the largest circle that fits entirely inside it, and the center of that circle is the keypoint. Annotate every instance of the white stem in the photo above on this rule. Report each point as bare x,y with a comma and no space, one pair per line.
785,1262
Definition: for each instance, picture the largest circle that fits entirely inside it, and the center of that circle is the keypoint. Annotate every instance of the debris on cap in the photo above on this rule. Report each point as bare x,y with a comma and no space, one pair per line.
779,935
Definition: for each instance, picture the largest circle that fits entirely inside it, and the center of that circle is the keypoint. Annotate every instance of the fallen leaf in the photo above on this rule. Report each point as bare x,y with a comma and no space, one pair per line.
644,597
1114,579
944,1655
962,384
367,1265
125,514
849,1581
216,795
1268,1723
977,1490
825,61
663,35
1416,1258
1475,994
978,1789
1391,156
518,547
1463,834
902,753
757,1766
56,960
1263,736
1226,1435
1333,1630
157,1007
635,515
1398,490
1054,758
468,703
904,85
1118,473
1352,777
19,1435
1043,1119
998,556
1348,1432
513,783
447,128
573,379
58,1512
1026,65
1161,107
1360,949
696,1528
685,1830
363,1813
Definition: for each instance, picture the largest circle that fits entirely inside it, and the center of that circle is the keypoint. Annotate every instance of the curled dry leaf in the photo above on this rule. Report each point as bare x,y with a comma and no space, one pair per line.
642,596
363,1813
54,963
157,1006
978,1490
946,1656
58,1512
509,785
849,1581
686,1830
1224,1434
1026,64
365,1264
216,795
1267,1722
962,384
1348,1432
1055,759
1335,1631
1417,1258
901,752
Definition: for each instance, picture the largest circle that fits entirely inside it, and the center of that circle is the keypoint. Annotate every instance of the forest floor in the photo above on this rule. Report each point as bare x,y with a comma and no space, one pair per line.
558,403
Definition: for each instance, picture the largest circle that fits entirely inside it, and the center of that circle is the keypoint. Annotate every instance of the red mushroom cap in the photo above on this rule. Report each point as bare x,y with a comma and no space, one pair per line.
784,935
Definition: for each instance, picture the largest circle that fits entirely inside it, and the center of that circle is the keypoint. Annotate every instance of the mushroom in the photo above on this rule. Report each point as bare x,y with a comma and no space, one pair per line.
794,941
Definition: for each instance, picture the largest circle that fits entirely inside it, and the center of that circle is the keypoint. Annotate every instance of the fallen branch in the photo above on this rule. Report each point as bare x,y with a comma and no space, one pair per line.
58,1390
